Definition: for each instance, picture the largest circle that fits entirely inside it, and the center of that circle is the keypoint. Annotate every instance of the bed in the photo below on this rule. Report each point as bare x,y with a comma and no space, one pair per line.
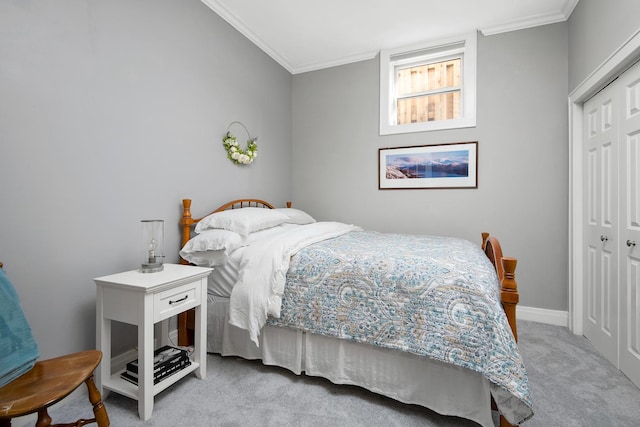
437,330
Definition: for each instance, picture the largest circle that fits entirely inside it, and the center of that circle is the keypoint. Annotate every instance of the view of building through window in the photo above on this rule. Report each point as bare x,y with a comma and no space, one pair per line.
429,92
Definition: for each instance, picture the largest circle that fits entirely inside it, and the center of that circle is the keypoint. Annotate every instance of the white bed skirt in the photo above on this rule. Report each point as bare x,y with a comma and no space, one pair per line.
446,389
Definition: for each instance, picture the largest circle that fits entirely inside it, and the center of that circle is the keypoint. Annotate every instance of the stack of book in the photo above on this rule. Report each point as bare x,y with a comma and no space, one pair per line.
166,361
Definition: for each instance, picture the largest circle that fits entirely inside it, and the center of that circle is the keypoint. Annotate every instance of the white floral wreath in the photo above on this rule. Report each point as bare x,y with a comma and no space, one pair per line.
235,153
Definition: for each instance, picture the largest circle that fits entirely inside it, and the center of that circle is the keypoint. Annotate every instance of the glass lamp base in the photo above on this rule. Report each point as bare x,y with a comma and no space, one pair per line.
152,268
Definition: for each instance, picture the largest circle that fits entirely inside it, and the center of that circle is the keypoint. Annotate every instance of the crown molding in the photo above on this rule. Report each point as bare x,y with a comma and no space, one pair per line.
303,68
533,21
236,23
568,7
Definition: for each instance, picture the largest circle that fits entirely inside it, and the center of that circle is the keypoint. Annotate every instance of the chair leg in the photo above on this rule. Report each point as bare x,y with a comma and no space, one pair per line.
99,410
5,422
44,420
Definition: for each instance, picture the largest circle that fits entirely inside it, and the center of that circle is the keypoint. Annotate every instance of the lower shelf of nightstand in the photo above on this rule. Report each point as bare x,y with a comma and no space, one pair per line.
125,388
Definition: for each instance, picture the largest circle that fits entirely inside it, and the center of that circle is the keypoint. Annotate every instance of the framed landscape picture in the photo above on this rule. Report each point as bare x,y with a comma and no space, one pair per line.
452,165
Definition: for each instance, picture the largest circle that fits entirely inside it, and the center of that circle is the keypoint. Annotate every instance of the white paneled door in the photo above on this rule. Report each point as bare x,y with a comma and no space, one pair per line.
601,222
630,224
612,222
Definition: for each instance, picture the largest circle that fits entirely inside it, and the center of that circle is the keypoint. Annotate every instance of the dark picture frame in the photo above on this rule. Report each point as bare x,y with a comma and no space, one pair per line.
444,166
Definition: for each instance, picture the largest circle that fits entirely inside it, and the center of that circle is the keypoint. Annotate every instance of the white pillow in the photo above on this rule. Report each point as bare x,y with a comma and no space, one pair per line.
296,216
211,247
242,221
206,258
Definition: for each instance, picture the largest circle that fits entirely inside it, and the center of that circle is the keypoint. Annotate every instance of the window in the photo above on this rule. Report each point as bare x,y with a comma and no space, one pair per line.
428,87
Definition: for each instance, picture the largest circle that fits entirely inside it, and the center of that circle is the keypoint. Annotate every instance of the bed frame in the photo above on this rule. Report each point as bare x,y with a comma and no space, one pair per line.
505,269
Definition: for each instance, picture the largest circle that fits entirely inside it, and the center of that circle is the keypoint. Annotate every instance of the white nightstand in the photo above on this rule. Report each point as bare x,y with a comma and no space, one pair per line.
144,299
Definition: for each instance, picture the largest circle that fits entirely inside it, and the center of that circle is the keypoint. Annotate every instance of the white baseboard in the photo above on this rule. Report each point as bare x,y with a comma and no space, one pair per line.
543,315
119,362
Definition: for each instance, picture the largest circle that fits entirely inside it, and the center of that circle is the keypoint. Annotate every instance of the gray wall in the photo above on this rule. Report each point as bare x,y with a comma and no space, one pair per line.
112,112
596,29
523,157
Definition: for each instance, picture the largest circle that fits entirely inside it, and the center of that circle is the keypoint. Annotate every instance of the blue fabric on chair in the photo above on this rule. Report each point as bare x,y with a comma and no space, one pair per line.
18,348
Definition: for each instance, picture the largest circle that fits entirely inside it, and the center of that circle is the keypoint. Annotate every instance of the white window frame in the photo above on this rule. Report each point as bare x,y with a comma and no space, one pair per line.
464,47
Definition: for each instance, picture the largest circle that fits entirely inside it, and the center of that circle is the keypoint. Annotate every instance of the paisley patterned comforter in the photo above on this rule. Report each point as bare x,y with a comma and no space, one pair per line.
431,296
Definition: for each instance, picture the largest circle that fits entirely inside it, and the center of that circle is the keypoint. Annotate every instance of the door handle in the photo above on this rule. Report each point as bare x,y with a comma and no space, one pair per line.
603,238
631,243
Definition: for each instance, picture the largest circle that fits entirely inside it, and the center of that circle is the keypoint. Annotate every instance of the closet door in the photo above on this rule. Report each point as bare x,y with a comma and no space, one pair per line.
629,246
601,222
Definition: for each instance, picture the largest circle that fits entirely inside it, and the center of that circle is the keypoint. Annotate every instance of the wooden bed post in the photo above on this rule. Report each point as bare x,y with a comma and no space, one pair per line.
509,293
186,222
186,320
509,297
506,271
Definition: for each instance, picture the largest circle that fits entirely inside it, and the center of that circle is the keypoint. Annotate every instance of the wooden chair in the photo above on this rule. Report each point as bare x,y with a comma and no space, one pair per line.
47,383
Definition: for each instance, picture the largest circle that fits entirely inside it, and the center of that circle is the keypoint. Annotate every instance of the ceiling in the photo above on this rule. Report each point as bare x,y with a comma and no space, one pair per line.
306,35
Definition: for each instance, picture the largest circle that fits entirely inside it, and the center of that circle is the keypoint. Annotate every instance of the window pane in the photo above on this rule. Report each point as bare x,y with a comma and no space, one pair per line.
439,75
429,87
443,106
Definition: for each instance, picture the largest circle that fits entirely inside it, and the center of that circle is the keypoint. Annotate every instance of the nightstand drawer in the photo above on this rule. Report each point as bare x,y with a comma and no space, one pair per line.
174,301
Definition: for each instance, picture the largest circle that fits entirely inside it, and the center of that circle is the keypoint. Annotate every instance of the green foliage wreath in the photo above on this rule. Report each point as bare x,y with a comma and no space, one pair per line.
236,154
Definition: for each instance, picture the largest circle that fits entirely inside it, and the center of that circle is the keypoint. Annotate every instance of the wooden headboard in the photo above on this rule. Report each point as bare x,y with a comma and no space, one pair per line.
188,222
